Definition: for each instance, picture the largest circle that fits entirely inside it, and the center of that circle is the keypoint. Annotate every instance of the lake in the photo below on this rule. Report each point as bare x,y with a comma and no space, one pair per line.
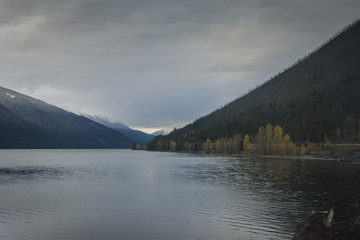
124,194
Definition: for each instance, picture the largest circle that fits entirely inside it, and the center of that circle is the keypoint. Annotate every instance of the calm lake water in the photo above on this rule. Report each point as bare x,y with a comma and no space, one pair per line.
124,194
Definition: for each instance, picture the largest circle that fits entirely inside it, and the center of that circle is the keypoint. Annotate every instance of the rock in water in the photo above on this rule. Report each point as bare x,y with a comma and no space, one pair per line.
341,222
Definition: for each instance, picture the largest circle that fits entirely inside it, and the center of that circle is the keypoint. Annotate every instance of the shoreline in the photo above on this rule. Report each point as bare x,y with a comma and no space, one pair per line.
324,155
308,157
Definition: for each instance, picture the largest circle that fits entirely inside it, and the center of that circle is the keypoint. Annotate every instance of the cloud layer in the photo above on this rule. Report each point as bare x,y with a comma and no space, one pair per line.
156,63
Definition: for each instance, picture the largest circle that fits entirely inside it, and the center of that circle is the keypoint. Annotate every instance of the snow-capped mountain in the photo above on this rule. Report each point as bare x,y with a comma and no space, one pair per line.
159,132
135,135
26,122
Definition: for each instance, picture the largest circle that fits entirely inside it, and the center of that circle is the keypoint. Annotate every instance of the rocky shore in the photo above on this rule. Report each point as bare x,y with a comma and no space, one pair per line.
341,221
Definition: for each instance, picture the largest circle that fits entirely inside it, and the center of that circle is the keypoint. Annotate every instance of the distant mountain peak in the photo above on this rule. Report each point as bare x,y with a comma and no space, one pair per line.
135,135
106,121
26,122
160,132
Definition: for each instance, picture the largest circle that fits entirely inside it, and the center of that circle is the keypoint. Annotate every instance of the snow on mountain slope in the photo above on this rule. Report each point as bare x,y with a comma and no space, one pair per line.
26,122
135,135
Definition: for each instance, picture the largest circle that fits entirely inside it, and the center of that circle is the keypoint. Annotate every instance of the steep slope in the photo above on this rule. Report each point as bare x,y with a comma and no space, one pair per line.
135,135
26,122
317,96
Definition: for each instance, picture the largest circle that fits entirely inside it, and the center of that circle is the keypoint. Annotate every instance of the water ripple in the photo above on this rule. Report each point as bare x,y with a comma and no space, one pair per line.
34,173
132,195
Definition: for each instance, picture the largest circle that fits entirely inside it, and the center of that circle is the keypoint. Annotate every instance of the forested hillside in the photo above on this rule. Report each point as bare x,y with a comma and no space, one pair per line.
26,122
315,100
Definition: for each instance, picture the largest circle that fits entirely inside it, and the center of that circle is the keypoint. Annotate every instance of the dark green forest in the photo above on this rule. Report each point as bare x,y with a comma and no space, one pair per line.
315,100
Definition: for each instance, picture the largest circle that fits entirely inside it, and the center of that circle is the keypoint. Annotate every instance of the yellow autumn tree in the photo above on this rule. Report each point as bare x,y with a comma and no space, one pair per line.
278,139
288,145
172,146
302,150
217,145
246,143
208,146
269,138
278,134
220,145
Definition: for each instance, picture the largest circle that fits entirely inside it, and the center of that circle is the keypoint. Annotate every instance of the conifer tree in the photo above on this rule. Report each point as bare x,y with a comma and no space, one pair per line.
187,146
260,140
358,135
236,142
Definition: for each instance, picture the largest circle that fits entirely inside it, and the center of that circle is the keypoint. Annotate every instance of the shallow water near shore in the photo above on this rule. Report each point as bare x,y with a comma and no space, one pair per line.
124,194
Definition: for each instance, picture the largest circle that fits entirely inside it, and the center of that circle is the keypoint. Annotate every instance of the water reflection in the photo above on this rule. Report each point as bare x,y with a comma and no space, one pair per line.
14,175
260,191
139,195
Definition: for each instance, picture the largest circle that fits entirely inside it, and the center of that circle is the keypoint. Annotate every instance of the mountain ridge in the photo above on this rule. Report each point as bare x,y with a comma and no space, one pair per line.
311,99
26,122
136,136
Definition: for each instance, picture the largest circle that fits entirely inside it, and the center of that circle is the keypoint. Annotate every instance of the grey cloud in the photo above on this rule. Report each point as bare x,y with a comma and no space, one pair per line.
156,62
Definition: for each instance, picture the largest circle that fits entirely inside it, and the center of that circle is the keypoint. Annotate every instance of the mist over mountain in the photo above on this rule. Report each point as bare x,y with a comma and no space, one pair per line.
316,99
26,122
135,135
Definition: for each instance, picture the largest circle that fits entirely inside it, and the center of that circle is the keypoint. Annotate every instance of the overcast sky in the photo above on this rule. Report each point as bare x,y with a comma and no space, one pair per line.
157,63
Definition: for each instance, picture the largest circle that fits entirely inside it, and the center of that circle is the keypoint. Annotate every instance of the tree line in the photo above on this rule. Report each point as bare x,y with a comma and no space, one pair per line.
315,101
269,140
